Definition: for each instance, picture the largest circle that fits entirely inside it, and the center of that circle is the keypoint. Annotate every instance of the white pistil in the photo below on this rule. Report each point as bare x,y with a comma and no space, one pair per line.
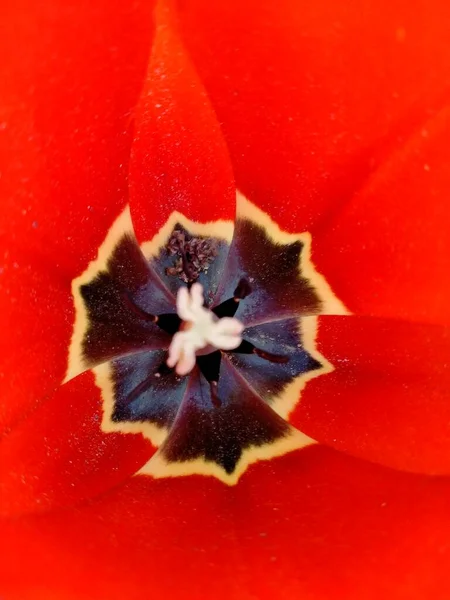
200,329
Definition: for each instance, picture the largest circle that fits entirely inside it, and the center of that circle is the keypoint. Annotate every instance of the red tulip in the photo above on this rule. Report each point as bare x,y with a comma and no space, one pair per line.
332,119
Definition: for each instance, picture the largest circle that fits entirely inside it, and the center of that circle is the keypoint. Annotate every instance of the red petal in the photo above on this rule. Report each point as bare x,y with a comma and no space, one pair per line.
388,252
314,524
179,158
65,122
71,72
310,94
387,399
36,316
61,456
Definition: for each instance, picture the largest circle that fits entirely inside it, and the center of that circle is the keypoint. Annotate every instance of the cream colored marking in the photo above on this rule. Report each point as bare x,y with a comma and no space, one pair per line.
331,303
121,225
282,404
157,467
222,230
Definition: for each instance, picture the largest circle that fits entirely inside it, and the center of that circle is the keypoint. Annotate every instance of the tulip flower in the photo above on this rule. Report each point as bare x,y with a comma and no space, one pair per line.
225,341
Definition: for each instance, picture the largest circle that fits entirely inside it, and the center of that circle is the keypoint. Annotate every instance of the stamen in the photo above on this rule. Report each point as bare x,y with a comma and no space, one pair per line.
139,389
188,269
169,322
275,358
163,369
194,255
214,397
248,348
209,365
200,332
243,289
229,307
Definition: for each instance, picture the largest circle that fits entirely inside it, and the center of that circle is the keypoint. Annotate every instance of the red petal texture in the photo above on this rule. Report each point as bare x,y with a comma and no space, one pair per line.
387,399
61,456
388,251
313,525
335,118
179,158
71,72
66,102
36,320
312,95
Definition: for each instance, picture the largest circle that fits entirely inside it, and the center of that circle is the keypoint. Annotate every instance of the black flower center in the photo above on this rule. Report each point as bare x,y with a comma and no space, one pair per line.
230,404
201,253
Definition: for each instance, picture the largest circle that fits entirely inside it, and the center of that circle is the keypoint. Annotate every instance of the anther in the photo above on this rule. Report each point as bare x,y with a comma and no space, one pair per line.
201,332
246,347
274,358
242,290
229,307
214,397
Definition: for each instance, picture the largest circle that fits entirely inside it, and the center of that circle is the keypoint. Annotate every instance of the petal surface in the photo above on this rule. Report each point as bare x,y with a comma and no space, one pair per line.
61,455
36,315
179,158
387,399
387,253
67,97
71,73
304,123
314,524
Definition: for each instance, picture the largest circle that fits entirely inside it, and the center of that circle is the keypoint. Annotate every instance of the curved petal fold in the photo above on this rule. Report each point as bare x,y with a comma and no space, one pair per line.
65,125
36,315
311,95
61,456
387,398
179,159
387,253
316,524
71,73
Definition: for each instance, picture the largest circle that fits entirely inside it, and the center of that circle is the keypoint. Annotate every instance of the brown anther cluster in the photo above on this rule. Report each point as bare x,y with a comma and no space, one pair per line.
194,255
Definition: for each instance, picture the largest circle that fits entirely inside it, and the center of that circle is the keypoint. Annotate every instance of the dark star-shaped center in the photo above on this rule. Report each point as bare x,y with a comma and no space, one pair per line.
227,408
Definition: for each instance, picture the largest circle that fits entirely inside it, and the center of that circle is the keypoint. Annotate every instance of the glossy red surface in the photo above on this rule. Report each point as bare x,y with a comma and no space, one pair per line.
330,116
